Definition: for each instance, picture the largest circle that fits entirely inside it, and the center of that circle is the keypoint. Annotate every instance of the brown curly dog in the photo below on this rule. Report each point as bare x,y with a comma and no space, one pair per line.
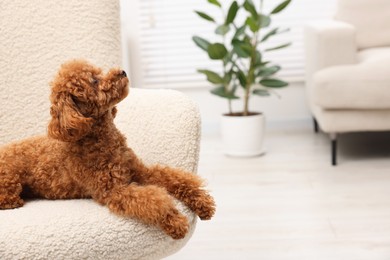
85,156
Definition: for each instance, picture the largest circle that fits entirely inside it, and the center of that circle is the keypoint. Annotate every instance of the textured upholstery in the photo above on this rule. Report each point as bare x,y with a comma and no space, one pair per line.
162,126
81,229
371,18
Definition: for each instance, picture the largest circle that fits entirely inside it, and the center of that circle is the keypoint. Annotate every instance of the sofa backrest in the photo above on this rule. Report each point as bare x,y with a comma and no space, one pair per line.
371,19
35,38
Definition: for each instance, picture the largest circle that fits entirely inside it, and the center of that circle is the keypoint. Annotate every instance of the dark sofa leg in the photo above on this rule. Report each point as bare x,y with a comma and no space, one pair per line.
315,123
333,138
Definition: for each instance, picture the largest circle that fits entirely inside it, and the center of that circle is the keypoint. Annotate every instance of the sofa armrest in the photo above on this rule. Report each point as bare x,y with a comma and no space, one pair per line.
161,126
329,43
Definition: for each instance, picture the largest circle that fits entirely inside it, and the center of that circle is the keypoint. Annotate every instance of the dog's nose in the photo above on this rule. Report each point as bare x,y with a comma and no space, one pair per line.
123,73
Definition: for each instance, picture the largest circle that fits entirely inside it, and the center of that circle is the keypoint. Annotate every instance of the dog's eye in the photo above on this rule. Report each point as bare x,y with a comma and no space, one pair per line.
95,81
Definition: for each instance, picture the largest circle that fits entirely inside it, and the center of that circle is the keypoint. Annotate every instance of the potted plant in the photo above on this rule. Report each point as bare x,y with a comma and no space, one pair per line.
244,72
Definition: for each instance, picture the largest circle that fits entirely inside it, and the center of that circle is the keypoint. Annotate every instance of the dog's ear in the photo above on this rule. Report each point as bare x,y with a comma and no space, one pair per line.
67,123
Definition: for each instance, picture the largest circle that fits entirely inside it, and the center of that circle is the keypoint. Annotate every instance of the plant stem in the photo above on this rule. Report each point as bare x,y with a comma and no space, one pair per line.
249,82
251,77
251,72
246,102
226,85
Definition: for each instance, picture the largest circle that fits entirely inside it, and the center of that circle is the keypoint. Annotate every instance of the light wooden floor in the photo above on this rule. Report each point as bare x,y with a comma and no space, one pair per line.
291,204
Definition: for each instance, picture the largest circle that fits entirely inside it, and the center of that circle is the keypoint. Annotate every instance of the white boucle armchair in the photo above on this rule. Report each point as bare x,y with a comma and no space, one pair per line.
162,126
348,69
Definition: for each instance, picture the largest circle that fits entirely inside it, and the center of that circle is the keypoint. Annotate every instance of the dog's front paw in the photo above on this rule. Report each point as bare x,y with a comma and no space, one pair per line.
10,202
204,206
175,225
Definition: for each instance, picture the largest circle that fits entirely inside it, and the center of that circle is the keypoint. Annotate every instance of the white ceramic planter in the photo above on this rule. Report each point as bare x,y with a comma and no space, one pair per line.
243,135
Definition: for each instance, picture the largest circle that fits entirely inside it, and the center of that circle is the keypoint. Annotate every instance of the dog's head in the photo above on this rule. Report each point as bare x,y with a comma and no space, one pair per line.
81,94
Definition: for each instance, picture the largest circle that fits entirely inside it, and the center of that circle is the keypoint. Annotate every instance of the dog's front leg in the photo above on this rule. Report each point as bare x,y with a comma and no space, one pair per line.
150,204
182,185
10,188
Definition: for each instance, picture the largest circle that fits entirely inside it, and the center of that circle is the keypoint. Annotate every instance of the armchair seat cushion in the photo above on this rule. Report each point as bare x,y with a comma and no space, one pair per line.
81,229
365,85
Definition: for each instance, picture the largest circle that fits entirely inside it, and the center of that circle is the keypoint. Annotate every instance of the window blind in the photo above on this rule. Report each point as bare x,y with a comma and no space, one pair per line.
169,58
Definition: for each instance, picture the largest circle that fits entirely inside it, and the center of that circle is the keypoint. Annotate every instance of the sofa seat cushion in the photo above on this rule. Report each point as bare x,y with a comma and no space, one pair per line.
352,120
364,85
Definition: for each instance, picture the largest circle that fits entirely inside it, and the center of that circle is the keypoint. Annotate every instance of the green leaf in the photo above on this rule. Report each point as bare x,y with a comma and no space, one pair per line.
269,34
281,6
242,48
240,31
240,52
250,7
201,43
264,21
214,2
273,32
241,78
232,13
212,76
261,92
221,92
216,51
252,23
266,72
222,29
228,58
278,47
227,78
263,63
258,59
255,24
273,83
205,16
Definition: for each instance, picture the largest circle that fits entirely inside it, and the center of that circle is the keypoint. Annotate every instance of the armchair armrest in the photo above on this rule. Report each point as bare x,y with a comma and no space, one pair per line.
329,43
161,126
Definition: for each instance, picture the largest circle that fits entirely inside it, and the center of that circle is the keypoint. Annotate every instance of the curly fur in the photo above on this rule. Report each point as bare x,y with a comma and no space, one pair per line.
85,156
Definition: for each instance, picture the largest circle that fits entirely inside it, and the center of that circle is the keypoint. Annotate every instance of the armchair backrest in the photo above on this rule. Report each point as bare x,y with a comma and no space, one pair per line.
162,126
35,38
371,18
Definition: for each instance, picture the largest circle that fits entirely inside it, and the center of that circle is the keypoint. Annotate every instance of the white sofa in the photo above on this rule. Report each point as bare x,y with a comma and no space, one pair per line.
162,126
348,69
